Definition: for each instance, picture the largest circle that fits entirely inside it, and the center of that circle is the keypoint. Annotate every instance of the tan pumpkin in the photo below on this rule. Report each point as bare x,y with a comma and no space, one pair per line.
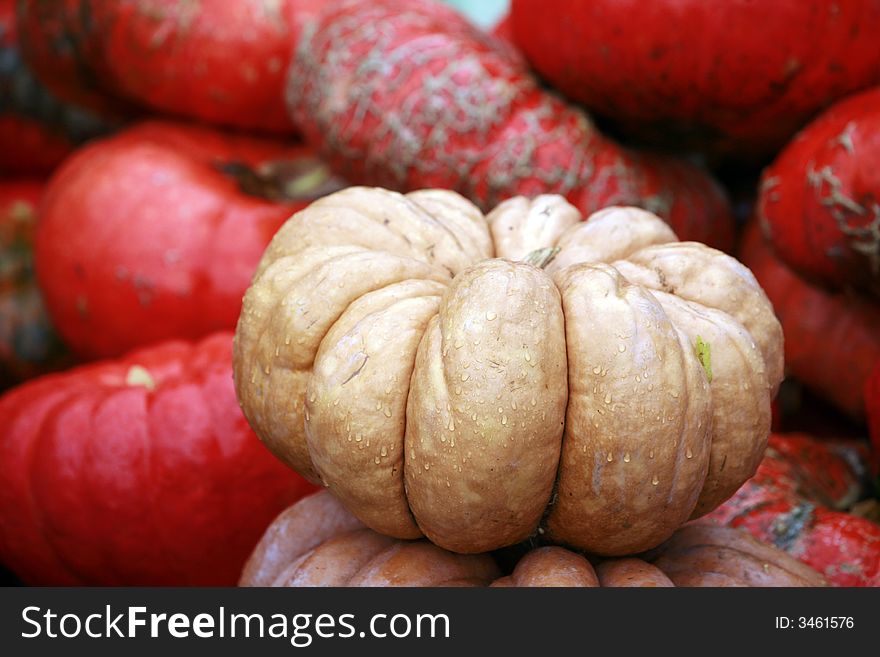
445,377
316,542
696,555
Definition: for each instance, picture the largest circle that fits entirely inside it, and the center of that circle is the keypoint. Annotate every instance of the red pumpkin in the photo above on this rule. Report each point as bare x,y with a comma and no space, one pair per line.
140,471
28,343
736,76
37,130
820,199
154,233
828,472
429,100
872,402
783,504
219,62
831,340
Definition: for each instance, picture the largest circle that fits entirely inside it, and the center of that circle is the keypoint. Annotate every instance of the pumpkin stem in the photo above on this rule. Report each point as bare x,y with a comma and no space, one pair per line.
138,375
540,258
280,181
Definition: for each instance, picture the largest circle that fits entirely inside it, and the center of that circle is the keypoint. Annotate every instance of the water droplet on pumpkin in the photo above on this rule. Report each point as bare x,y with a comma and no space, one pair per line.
626,458
597,369
651,454
387,412
465,376
504,419
490,315
621,347
655,480
689,454
610,457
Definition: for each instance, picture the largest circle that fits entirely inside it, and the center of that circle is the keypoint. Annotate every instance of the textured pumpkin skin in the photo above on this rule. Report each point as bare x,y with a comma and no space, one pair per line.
144,238
397,349
820,199
696,555
831,340
142,52
316,542
826,471
428,100
37,129
28,342
702,554
699,74
140,471
787,504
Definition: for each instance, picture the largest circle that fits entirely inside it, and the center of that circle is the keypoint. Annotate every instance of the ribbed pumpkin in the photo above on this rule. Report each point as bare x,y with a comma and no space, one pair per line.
316,542
403,351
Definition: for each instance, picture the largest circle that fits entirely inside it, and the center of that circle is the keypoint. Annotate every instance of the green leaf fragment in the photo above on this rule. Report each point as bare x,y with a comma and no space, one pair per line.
704,353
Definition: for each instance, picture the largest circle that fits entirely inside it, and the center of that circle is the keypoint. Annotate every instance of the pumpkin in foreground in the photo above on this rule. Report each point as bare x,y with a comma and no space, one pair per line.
403,351
135,472
316,542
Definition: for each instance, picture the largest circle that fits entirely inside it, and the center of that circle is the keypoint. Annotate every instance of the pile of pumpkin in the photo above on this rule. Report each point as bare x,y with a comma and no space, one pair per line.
483,288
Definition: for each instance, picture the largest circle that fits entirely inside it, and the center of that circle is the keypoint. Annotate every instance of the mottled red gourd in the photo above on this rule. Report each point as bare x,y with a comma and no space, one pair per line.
406,94
791,502
820,199
140,471
731,76
831,339
28,343
154,233
218,62
37,130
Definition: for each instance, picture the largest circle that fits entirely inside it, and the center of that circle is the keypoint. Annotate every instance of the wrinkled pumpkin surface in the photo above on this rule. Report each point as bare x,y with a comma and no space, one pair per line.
316,542
477,379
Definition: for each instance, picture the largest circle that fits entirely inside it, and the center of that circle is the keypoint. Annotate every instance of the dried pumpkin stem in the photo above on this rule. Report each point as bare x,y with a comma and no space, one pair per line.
282,181
540,258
